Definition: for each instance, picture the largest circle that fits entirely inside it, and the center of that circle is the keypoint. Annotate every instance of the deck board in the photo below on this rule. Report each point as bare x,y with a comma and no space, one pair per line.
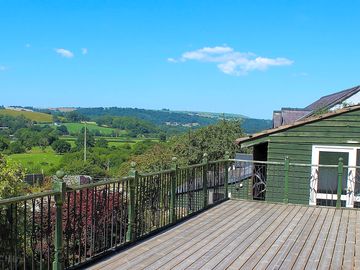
254,258
251,235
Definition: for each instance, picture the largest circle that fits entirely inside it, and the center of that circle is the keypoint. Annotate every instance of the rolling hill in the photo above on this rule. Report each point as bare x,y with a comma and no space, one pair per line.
178,119
33,116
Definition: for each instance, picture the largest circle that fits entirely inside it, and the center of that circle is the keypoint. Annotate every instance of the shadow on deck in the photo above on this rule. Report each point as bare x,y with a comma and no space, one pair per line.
251,235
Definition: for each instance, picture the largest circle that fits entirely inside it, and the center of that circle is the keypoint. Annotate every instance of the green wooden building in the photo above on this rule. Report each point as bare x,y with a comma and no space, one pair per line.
310,143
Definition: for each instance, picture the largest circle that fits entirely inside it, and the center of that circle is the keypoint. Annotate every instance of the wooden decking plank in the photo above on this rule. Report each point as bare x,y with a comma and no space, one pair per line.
209,257
316,252
269,255
239,224
263,237
251,235
328,251
240,244
193,233
310,242
300,242
293,237
205,219
339,250
357,241
269,242
348,262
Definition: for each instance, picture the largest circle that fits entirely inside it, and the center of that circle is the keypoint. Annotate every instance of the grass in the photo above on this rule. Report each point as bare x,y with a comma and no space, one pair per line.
33,116
119,143
37,160
116,143
75,128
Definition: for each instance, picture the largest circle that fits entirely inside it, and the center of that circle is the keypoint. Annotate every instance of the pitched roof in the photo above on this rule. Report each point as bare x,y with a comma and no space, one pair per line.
296,124
288,116
333,99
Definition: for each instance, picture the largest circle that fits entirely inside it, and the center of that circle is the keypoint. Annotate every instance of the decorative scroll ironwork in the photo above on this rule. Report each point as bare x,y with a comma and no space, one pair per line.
324,186
259,181
241,172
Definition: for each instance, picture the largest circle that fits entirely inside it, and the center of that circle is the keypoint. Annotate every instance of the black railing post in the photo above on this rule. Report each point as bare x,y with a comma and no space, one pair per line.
60,187
286,179
226,175
339,186
130,235
205,172
173,190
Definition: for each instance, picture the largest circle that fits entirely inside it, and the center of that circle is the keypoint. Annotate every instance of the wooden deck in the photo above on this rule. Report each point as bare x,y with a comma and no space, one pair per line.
251,235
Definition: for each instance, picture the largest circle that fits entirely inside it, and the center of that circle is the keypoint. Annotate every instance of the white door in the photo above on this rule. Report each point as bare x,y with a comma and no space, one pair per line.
324,180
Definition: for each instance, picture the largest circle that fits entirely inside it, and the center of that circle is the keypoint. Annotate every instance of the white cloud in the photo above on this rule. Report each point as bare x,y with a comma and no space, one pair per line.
3,68
64,53
84,51
27,45
172,60
230,61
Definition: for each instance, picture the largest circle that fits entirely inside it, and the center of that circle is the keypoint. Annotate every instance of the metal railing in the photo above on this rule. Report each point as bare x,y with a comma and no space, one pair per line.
335,185
71,225
27,231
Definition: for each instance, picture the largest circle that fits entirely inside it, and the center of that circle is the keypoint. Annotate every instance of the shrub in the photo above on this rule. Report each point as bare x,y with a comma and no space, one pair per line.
61,146
16,148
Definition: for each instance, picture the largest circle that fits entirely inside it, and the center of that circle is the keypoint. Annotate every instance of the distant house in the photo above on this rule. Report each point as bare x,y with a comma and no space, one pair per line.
287,116
320,139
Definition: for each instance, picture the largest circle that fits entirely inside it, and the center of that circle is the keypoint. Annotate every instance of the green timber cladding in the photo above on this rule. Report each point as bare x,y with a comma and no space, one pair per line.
340,128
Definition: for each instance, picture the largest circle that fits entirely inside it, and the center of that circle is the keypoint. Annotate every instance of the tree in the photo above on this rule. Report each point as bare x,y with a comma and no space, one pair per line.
162,137
11,179
156,158
214,140
56,119
4,143
16,148
61,146
43,143
73,164
90,140
75,116
102,143
62,130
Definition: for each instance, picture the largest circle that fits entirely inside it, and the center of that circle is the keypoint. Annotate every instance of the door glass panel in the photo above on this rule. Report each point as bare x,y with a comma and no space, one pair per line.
328,176
357,174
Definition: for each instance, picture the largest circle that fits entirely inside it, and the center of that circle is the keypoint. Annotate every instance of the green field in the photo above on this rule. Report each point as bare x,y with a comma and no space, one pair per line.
112,141
37,160
34,116
74,128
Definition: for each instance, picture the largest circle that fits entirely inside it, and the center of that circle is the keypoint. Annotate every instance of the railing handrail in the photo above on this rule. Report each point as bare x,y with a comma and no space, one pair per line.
118,180
28,197
292,164
99,183
156,173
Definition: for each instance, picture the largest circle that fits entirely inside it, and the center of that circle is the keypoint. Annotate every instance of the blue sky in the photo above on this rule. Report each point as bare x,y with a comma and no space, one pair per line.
246,57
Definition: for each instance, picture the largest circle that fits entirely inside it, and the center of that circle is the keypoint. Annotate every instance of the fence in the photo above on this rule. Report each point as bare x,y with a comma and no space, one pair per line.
69,226
314,184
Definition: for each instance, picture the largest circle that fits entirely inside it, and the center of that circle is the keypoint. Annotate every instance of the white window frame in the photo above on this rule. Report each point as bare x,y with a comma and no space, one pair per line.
349,197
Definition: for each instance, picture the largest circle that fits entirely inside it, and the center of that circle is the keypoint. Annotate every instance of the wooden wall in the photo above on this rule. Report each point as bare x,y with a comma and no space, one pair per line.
297,142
